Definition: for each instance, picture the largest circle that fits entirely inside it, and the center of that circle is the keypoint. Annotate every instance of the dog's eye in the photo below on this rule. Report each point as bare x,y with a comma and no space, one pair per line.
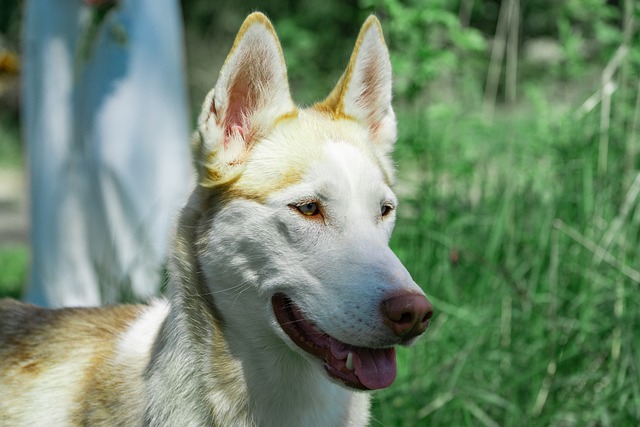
308,209
385,210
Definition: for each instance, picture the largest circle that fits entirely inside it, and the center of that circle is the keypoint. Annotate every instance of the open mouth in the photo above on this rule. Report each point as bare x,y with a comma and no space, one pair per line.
357,367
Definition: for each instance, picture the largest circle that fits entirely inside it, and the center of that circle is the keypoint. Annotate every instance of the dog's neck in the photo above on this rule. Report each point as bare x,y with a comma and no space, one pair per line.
222,379
217,377
287,389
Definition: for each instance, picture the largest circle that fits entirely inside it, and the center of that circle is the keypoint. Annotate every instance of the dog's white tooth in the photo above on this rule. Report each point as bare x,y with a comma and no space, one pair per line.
349,363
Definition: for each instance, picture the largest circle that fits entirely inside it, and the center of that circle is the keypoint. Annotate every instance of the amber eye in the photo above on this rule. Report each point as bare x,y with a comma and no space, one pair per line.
385,210
308,209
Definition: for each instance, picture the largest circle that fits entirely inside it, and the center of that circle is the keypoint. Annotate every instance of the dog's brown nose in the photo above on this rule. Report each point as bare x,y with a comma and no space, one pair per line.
407,314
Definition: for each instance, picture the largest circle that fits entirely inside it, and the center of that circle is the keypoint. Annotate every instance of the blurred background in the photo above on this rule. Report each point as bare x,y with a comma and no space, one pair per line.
519,179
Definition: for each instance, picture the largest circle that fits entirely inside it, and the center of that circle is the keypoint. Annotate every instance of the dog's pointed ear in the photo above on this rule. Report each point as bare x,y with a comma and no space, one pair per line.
251,93
364,90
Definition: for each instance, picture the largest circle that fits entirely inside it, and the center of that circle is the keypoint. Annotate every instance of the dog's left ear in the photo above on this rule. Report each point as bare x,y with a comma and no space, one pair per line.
251,93
364,90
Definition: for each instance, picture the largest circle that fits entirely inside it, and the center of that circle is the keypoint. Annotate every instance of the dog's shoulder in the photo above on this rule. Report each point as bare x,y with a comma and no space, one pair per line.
25,321
82,348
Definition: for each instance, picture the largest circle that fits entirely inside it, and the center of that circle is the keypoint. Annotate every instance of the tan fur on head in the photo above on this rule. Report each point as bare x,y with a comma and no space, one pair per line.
252,97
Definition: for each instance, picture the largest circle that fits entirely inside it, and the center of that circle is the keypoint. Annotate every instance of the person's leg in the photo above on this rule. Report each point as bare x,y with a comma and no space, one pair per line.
140,134
61,269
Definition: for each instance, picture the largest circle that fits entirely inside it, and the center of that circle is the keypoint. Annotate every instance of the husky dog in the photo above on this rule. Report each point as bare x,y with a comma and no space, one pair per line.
285,300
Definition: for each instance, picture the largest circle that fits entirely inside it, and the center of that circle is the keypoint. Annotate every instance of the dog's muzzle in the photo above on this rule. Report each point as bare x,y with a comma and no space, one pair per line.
407,315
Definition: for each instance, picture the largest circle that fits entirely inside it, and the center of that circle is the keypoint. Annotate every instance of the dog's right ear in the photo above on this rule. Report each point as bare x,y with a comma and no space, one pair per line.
251,93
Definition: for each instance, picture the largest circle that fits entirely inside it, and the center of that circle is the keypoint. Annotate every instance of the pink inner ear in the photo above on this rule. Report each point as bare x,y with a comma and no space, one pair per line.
370,96
242,103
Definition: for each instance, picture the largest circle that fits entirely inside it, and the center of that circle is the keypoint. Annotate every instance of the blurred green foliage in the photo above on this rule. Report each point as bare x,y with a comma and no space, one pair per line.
430,40
316,36
10,22
10,150
13,270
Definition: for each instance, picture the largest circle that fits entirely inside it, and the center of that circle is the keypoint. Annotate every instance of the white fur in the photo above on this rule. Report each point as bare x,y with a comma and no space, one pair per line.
248,259
133,347
254,244
57,411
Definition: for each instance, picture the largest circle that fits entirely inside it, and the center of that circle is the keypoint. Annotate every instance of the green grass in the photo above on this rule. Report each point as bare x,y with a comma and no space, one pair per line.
10,147
13,259
13,270
500,227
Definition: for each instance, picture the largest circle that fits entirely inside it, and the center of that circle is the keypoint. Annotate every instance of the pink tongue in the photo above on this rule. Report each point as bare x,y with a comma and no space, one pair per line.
375,368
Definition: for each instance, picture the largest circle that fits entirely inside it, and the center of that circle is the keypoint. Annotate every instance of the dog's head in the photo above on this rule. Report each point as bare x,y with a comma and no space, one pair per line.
295,252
